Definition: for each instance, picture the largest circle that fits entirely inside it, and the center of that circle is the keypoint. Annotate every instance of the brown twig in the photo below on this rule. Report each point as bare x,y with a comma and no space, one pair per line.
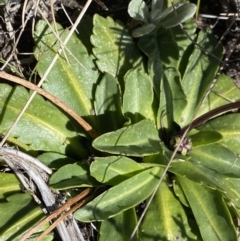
53,99
58,212
209,115
53,225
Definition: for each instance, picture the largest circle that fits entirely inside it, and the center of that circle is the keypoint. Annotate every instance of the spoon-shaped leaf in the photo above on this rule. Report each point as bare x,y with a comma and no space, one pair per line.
108,104
183,13
205,138
114,48
224,92
156,15
217,158
164,215
138,10
137,140
210,212
121,197
42,127
73,75
114,169
138,95
199,74
229,127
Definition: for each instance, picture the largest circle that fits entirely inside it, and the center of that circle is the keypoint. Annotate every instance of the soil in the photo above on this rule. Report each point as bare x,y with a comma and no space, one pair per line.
227,31
21,56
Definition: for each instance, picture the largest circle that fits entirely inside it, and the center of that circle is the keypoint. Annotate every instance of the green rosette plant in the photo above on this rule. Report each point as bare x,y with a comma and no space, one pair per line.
140,95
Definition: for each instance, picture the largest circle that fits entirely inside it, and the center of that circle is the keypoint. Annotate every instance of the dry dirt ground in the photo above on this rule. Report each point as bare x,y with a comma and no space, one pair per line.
16,44
226,29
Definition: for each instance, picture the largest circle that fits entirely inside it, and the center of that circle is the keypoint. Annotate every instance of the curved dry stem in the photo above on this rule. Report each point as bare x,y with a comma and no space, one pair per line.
37,176
69,212
56,213
53,99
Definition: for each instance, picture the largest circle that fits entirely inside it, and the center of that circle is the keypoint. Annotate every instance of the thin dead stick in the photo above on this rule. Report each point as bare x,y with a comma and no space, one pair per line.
53,225
14,153
227,31
55,213
47,71
59,39
39,178
53,99
221,17
24,23
56,31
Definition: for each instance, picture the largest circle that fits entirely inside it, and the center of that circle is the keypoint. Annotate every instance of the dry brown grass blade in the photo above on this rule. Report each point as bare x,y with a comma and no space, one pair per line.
53,225
58,212
53,99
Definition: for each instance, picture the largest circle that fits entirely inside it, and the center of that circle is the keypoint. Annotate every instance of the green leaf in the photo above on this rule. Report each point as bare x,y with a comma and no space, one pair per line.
108,104
73,76
217,158
203,175
199,74
224,92
143,30
55,160
129,224
72,176
183,12
112,228
184,43
168,48
157,16
160,49
138,95
3,2
42,127
172,99
120,227
198,173
205,138
18,214
121,197
150,47
235,182
229,127
162,159
210,212
138,10
155,13
9,185
114,48
166,219
137,140
156,5
179,192
114,169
